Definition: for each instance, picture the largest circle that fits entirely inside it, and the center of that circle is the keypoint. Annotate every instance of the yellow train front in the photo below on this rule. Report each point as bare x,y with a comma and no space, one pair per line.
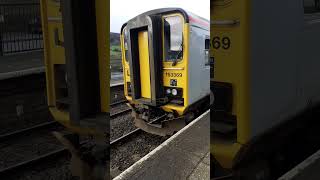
165,56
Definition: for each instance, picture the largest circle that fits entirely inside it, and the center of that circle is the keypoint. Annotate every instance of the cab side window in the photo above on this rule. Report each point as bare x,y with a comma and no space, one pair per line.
173,38
125,34
206,51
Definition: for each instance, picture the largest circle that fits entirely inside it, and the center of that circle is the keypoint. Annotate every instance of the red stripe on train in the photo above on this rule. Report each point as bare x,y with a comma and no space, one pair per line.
198,21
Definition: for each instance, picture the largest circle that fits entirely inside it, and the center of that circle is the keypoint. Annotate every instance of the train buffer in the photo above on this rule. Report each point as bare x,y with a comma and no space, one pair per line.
185,155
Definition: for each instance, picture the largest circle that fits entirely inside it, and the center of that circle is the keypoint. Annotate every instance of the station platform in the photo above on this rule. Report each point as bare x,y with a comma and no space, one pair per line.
21,64
21,61
27,63
116,78
185,155
306,170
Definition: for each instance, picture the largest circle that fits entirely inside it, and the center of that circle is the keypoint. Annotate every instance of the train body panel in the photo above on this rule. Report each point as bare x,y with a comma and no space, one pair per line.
76,50
198,59
230,84
308,61
265,63
69,103
274,56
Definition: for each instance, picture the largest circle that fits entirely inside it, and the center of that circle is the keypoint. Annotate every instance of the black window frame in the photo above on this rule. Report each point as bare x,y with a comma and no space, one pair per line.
167,41
125,43
207,50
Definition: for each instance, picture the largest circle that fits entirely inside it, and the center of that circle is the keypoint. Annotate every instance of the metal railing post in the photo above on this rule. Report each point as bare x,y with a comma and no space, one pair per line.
20,28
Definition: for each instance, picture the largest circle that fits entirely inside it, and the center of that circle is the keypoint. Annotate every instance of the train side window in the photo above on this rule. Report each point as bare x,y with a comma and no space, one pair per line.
311,6
125,33
173,38
206,51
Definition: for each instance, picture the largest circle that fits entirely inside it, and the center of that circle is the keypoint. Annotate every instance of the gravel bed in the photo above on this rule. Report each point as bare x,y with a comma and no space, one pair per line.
55,170
15,124
125,155
121,125
116,94
28,146
23,103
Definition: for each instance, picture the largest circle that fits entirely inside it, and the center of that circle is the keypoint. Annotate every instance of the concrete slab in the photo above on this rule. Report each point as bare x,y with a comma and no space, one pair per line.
185,155
201,172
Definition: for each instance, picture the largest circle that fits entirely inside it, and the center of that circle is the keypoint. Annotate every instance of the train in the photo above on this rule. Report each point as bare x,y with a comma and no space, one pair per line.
78,79
264,71
166,69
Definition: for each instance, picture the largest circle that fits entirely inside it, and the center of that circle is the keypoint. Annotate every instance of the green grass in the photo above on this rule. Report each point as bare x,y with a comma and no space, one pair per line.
115,52
115,58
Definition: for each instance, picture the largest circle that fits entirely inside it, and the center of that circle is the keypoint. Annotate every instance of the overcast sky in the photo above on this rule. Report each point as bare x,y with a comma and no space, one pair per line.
124,10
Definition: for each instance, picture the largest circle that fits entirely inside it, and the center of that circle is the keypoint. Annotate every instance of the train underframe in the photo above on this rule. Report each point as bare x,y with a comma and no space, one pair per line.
277,151
155,120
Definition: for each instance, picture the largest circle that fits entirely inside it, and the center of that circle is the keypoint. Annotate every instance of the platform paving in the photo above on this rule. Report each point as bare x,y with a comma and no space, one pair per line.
26,63
183,156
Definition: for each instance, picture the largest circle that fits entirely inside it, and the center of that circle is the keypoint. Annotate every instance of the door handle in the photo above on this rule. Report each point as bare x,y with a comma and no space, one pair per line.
225,23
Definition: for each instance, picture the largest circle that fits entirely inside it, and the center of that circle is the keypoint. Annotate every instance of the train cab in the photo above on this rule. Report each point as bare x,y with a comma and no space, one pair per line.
165,56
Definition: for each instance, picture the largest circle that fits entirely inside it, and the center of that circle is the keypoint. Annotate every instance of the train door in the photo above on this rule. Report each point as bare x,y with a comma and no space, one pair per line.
144,64
144,56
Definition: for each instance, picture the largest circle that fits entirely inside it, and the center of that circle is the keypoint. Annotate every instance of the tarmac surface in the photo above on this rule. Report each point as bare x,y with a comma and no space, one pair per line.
185,155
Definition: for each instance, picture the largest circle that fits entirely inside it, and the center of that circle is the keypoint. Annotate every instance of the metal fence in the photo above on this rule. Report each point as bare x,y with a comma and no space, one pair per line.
20,28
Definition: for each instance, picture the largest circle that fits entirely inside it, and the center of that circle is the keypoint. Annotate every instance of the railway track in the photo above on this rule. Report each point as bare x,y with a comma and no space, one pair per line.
7,136
118,102
50,155
47,124
135,141
26,93
59,151
53,154
29,146
130,147
228,177
134,132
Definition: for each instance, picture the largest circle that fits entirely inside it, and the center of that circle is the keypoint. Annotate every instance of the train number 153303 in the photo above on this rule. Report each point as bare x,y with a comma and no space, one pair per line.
173,74
221,42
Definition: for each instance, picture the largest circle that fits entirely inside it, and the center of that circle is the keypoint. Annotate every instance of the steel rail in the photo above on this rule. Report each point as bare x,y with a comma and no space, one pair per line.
114,115
7,136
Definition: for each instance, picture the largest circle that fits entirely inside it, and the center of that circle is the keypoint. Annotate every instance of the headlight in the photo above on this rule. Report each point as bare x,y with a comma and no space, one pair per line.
168,91
174,92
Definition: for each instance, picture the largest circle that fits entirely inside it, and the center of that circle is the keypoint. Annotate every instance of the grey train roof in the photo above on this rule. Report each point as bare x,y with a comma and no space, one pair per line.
188,16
